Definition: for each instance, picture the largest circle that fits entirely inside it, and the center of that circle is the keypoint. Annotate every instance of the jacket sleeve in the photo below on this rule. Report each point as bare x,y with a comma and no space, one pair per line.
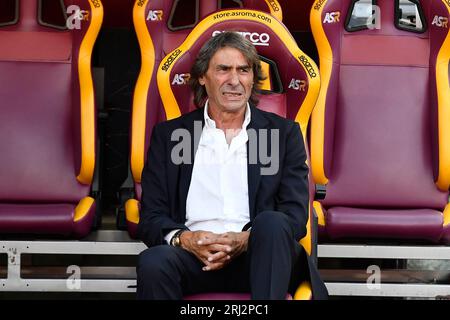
155,216
293,193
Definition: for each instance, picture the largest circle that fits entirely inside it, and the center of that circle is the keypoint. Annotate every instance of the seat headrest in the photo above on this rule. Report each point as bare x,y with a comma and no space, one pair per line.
43,15
54,70
391,17
43,29
408,34
33,15
161,26
173,19
297,73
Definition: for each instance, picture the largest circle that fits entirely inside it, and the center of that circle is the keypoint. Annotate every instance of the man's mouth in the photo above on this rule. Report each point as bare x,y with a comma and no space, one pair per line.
232,94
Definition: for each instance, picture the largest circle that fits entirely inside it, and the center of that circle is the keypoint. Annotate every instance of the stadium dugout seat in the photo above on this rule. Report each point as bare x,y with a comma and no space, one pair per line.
380,132
161,26
290,90
47,126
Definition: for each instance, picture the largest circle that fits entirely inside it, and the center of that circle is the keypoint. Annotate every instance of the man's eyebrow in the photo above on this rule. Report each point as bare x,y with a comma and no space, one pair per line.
224,66
244,66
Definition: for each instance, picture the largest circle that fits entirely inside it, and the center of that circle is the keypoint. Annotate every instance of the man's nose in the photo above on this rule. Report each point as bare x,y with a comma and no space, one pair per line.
234,78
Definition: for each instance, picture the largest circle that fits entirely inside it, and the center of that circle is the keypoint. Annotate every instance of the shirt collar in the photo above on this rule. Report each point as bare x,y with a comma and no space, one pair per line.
211,124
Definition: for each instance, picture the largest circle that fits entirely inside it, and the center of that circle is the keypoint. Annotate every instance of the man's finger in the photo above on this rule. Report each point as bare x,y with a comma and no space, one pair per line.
219,247
224,260
218,256
213,266
206,241
216,240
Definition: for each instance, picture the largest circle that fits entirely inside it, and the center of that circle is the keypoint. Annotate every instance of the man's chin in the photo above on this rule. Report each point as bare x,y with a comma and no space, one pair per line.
235,106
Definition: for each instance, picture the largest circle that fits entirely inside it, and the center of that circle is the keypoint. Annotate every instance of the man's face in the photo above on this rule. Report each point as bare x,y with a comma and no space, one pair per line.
228,81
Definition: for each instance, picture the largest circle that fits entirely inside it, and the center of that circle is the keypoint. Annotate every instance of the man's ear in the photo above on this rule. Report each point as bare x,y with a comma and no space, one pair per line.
201,80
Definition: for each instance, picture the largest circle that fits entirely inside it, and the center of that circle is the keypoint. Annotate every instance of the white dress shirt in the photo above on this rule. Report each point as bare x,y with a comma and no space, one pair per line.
217,199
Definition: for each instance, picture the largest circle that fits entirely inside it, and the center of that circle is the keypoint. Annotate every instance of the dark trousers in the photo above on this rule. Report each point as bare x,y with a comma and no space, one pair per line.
269,269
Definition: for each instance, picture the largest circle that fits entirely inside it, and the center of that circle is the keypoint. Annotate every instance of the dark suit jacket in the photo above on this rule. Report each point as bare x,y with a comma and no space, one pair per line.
165,184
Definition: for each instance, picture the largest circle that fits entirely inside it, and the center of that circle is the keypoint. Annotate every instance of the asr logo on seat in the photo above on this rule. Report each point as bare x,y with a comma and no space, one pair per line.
75,16
181,79
332,17
83,15
439,21
296,84
155,15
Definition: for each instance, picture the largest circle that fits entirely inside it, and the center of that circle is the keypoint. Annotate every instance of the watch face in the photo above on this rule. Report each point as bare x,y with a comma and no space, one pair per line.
176,240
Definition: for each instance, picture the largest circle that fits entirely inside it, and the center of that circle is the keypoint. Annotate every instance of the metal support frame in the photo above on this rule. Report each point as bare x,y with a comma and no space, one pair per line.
101,243
413,290
112,242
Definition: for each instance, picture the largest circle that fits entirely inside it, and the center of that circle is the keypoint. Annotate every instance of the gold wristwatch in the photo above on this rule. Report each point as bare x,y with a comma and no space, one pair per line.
175,241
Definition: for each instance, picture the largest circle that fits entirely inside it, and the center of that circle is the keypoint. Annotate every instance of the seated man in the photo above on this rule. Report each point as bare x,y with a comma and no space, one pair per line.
216,215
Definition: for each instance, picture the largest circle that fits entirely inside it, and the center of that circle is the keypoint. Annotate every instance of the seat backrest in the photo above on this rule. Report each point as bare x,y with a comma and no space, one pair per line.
48,117
293,77
161,26
380,136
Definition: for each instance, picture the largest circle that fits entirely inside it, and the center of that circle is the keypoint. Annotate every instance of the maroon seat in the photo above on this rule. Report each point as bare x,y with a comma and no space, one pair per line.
47,127
290,90
380,132
161,26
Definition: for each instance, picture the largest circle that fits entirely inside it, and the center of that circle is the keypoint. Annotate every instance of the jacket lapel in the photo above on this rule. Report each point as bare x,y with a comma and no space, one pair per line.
194,124
257,122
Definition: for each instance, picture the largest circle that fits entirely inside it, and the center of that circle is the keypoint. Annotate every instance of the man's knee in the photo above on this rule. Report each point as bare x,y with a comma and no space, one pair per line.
270,223
154,261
